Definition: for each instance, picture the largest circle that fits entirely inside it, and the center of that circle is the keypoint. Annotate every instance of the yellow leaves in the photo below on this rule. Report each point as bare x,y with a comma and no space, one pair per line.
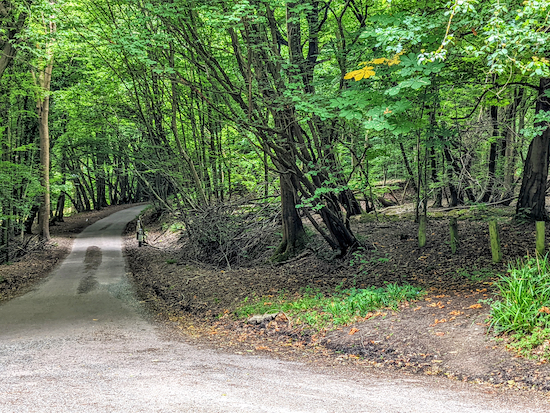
543,60
363,73
394,60
474,306
368,70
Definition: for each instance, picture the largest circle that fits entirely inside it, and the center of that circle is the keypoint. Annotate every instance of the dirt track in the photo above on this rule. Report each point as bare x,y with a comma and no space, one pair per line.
81,343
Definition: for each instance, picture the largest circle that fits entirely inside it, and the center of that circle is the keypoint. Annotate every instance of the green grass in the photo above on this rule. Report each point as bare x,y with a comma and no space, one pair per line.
522,295
521,310
317,310
535,345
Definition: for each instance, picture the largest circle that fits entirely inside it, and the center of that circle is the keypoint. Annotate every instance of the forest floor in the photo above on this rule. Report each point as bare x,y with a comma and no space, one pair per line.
443,333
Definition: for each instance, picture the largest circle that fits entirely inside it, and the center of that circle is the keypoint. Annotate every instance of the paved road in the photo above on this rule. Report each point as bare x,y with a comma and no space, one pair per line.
81,343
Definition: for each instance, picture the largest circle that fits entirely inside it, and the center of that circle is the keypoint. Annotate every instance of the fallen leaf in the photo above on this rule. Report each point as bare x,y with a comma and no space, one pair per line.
439,304
475,306
263,348
544,310
281,317
456,312
443,320
370,315
353,331
440,333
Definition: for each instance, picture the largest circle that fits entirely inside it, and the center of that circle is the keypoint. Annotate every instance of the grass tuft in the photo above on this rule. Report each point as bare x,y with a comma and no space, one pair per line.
523,309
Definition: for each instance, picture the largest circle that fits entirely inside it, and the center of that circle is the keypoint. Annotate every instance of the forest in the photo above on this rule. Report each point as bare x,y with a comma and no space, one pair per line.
315,111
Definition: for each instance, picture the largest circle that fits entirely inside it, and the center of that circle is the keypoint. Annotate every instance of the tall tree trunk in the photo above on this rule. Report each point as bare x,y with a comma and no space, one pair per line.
60,208
492,156
30,219
408,166
293,230
100,181
531,201
510,146
43,110
438,190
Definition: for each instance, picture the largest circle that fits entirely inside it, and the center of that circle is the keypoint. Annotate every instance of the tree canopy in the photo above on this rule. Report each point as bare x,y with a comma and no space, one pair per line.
316,103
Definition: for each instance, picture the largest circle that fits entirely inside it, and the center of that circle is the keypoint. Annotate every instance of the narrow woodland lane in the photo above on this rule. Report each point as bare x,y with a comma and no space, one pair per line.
81,343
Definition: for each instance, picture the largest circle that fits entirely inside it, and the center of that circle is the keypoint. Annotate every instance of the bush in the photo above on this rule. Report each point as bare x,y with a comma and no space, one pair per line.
524,303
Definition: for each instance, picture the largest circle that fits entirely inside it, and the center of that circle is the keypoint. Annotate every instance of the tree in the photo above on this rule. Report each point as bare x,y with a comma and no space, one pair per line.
532,194
43,81
12,21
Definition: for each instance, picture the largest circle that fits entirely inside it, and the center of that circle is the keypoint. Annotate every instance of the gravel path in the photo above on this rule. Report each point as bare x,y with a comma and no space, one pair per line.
81,343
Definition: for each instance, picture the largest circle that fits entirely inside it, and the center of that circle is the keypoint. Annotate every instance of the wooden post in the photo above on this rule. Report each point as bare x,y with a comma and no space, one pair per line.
139,232
453,230
541,242
495,241
422,231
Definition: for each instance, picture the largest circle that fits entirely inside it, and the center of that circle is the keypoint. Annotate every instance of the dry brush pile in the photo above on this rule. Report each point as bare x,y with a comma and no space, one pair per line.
234,234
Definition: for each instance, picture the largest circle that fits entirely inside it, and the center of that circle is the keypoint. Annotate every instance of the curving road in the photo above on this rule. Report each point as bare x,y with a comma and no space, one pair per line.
81,343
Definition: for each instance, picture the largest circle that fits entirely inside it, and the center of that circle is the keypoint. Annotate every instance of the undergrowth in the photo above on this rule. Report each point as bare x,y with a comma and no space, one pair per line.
522,311
319,311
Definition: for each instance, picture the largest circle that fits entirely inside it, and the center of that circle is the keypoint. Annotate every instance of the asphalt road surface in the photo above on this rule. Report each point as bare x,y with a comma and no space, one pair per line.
80,342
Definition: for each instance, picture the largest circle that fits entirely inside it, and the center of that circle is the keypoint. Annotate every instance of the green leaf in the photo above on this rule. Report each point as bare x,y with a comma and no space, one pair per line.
394,90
